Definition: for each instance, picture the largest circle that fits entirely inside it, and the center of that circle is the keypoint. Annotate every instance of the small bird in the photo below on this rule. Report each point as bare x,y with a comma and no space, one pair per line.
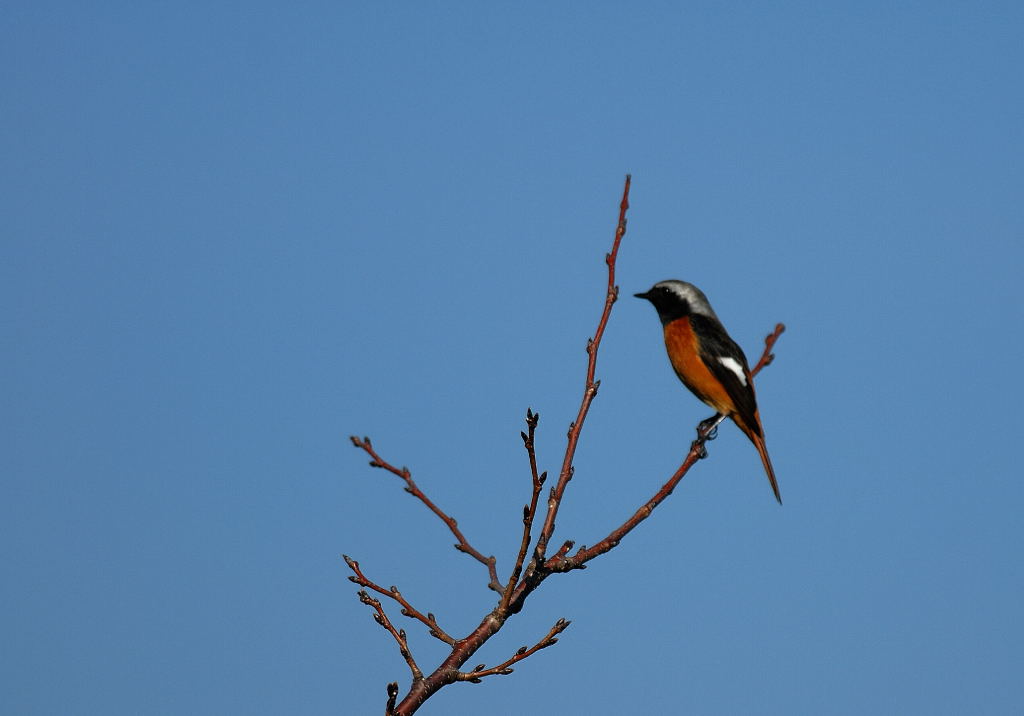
708,361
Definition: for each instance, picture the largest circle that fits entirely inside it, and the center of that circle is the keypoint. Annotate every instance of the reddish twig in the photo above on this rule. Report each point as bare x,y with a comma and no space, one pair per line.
530,510
590,387
407,609
504,668
403,644
463,544
524,579
769,342
560,563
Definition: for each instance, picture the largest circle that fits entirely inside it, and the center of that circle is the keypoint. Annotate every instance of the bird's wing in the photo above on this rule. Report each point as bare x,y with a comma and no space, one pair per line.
728,364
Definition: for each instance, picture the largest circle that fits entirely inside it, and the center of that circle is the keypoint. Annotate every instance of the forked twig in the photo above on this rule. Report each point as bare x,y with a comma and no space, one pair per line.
525,576
407,609
561,562
504,668
463,544
585,554
403,644
769,342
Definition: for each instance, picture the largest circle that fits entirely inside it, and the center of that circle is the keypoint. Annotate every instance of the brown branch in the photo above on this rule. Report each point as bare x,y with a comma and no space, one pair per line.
524,578
504,668
403,644
530,510
769,342
407,609
463,544
590,387
559,563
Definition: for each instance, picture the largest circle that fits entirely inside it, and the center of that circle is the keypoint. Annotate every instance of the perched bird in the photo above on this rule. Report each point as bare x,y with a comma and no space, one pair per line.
708,361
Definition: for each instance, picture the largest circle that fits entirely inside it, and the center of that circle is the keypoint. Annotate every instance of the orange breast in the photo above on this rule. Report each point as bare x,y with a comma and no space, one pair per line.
682,345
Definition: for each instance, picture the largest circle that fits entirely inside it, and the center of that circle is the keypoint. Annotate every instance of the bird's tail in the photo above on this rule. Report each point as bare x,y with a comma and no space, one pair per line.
757,437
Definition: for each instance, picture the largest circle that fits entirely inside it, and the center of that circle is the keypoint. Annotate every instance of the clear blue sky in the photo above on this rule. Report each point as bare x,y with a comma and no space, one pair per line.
234,235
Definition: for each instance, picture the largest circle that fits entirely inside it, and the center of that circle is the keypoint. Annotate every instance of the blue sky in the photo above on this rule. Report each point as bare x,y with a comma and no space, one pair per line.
235,235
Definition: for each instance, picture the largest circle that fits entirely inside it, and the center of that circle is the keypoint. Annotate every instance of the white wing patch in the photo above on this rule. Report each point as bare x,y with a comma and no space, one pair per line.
734,365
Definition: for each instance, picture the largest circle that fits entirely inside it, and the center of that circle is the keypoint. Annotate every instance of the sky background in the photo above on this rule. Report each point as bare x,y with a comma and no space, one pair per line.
233,235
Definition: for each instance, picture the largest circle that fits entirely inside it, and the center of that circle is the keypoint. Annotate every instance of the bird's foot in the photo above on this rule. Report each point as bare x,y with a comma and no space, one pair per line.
708,429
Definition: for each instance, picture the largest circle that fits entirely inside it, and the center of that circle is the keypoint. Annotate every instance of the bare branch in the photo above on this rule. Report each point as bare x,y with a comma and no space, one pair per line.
504,668
590,387
559,563
525,576
769,342
463,544
529,511
403,645
407,609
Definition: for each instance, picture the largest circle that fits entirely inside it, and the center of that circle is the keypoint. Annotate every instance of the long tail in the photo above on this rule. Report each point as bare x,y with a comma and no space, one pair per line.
758,439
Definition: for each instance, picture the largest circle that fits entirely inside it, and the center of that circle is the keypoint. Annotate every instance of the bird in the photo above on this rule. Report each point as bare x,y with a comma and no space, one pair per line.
708,361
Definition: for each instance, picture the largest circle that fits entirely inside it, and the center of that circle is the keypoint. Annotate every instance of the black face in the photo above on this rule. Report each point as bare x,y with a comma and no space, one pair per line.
669,304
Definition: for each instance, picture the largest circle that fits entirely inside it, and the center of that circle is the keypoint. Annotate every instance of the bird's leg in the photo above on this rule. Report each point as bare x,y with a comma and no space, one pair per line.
706,430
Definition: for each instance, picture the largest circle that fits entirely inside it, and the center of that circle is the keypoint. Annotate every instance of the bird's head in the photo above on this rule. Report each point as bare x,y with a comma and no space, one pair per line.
675,299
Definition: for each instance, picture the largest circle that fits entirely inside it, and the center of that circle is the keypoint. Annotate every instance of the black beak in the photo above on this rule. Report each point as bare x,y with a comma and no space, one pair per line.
646,295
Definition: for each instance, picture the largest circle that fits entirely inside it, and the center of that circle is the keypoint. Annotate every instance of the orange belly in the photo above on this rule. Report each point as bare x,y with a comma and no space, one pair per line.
683,350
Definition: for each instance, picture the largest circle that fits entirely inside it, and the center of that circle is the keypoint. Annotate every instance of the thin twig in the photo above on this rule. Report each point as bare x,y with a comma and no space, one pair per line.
407,609
403,644
525,578
560,563
529,511
463,544
590,387
769,342
504,668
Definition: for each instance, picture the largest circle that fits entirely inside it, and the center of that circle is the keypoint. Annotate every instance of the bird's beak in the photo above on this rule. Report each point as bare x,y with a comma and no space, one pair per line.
646,295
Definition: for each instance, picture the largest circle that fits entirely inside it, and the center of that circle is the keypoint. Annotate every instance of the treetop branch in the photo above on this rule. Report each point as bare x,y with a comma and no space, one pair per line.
526,574
590,386
560,563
